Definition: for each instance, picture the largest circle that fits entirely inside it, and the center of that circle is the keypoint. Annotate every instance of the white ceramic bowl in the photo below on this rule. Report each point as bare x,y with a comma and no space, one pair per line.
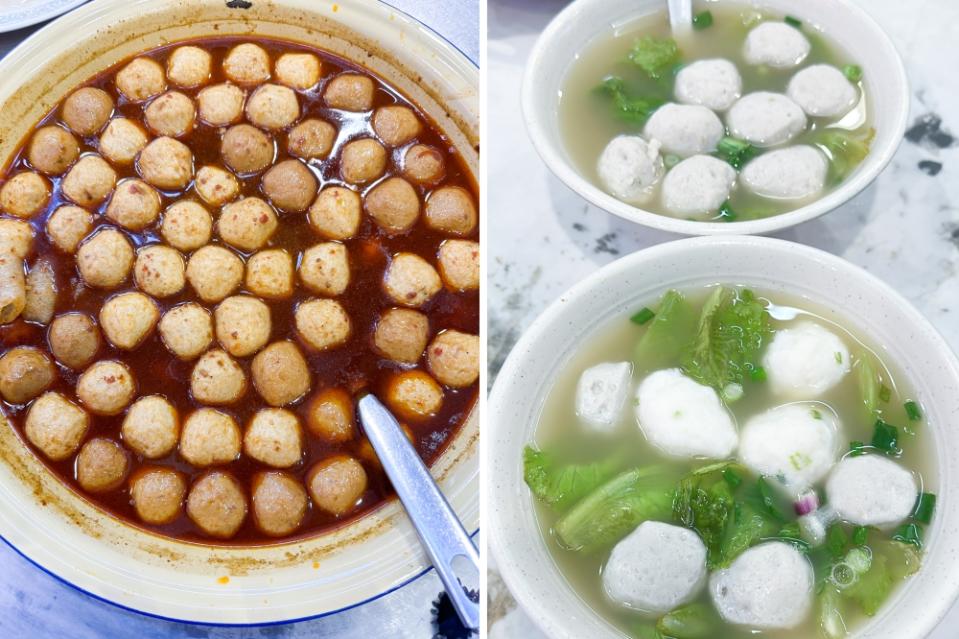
67,536
577,26
855,298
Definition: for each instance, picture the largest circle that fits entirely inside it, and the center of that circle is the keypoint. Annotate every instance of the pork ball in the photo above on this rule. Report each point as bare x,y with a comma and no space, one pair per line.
86,110
630,168
67,226
453,358
122,141
322,324
274,437
141,79
74,340
424,164
247,63
299,71
656,568
172,114
311,139
166,164
764,118
269,274
325,268
714,83
414,395
410,280
102,465
396,125
52,150
217,379
214,272
350,92
794,173
217,504
247,224
105,258
872,490
330,416
25,372
157,494
273,107
159,271
459,264
209,437
135,205
290,185
805,360
776,44
822,91
128,319
362,161
216,186
246,149
697,186
683,418
337,484
242,325
56,425
401,335
394,205
601,395
16,237
40,296
151,427
106,387
451,209
770,586
186,225
280,373
279,503
221,104
89,182
189,67
187,330
13,288
684,129
25,194
336,213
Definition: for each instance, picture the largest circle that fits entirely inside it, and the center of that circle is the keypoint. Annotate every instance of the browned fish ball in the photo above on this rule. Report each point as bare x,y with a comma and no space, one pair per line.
127,319
401,334
105,258
221,104
209,437
362,161
246,149
89,182
290,186
242,325
151,427
349,92
394,205
336,213
56,425
52,150
135,205
167,164
279,503
86,110
247,224
102,465
274,437
270,274
410,280
122,141
106,387
217,379
25,194
214,272
216,186
141,79
325,268
453,358
280,373
67,226
311,139
189,66
25,372
247,63
74,339
13,287
159,270
451,209
172,114
299,71
322,323
187,330
41,292
336,484
459,264
424,164
16,237
414,395
330,416
186,225
272,107
157,494
396,125
217,504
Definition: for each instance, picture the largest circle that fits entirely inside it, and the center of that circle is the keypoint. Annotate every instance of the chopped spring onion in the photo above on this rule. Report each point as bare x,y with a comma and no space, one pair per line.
925,507
859,559
735,151
909,534
758,374
732,392
856,448
885,437
726,212
885,393
912,411
793,21
732,477
644,315
853,72
843,575
860,535
836,541
702,20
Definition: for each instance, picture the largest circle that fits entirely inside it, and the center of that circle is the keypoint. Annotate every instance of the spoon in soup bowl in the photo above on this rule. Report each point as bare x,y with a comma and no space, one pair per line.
680,16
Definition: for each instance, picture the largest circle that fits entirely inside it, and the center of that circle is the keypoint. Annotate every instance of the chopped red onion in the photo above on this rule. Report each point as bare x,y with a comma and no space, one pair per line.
806,503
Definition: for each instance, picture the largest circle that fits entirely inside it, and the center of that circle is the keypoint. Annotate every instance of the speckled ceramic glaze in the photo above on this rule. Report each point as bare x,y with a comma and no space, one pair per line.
16,14
577,25
66,535
855,298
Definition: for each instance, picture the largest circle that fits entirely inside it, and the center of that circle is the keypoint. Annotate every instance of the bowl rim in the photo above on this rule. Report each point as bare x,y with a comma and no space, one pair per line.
511,376
553,155
464,64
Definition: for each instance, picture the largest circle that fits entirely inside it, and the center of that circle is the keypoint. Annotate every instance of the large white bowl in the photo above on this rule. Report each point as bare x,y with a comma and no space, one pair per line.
578,25
856,299
69,537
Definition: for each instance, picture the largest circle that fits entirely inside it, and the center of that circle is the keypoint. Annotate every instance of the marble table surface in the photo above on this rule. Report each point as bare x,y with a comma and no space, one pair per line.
34,605
544,238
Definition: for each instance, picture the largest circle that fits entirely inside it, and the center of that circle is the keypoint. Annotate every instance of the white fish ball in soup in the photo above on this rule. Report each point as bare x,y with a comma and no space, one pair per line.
684,129
601,394
795,173
629,167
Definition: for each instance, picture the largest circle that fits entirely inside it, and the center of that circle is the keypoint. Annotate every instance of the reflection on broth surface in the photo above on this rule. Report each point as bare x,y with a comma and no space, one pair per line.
653,447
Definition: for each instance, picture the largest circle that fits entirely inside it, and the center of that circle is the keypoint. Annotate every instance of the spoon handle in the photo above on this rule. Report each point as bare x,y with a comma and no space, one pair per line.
680,15
439,529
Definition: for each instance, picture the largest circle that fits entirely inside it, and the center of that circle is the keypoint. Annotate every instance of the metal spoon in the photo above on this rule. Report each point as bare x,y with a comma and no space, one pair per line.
436,524
680,16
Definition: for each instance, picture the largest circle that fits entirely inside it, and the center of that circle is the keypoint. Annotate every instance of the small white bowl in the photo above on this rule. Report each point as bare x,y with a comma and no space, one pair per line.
580,23
856,299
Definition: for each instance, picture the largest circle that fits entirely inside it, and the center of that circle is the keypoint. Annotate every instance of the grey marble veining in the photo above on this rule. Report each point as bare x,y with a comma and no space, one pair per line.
543,238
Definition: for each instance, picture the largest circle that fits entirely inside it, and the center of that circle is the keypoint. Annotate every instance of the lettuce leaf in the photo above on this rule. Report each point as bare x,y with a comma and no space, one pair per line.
631,109
654,56
561,486
692,621
669,333
845,150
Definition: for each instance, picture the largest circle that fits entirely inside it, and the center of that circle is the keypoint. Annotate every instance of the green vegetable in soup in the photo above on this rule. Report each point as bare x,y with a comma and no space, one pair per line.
909,534
735,151
853,72
647,631
869,385
669,332
844,149
635,110
830,614
925,507
885,437
872,587
913,412
561,486
702,20
613,510
655,56
732,328
692,621
746,528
